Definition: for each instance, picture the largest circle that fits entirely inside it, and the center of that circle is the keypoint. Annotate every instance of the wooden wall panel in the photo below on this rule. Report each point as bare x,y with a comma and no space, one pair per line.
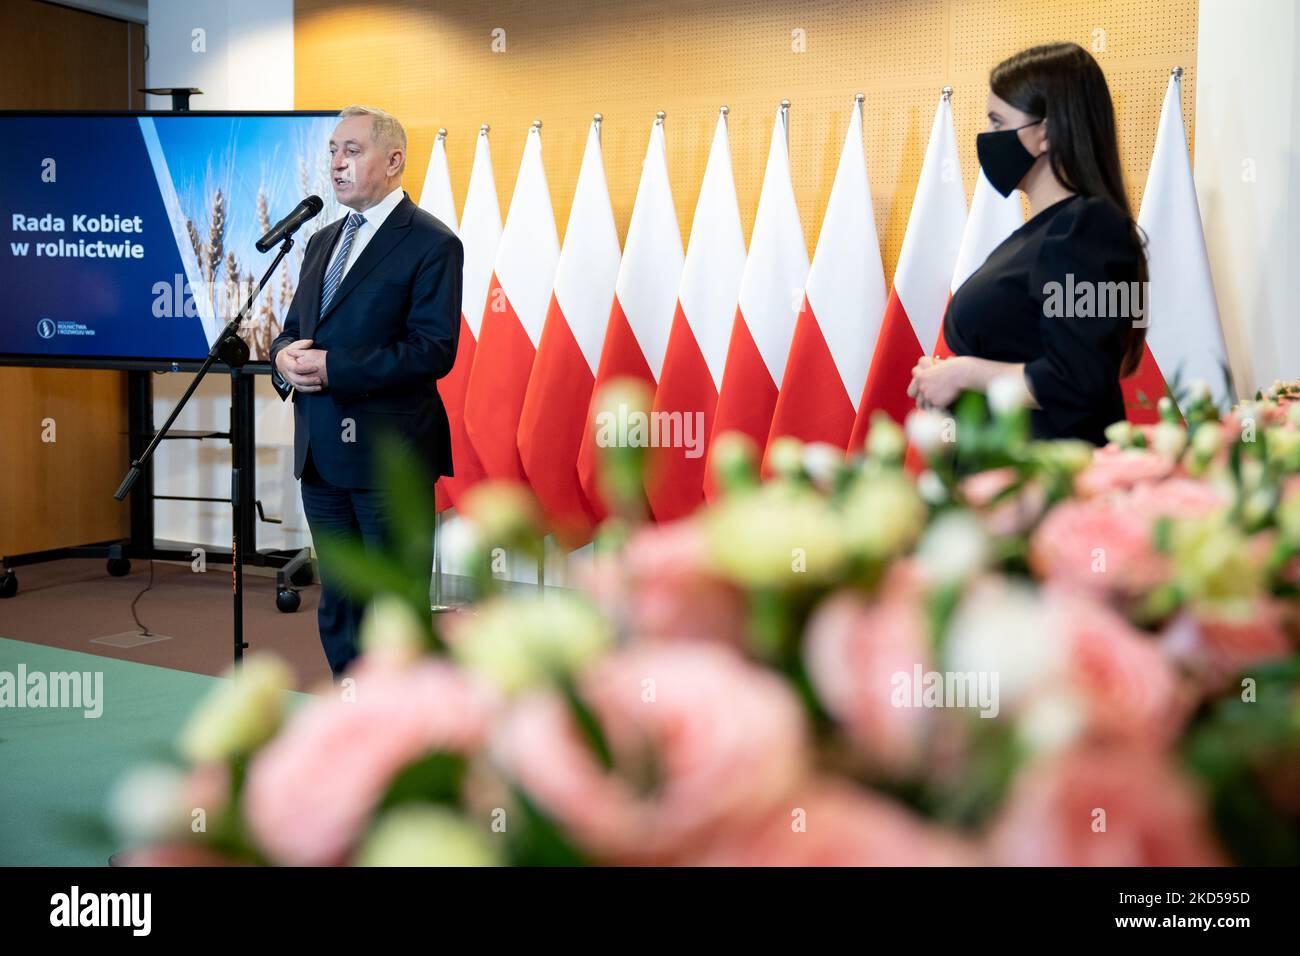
59,58
60,493
433,65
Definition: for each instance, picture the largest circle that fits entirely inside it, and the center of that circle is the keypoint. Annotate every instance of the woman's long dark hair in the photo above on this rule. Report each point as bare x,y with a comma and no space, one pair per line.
1063,83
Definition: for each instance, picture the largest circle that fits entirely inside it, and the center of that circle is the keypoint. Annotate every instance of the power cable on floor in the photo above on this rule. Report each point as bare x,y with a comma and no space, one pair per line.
144,629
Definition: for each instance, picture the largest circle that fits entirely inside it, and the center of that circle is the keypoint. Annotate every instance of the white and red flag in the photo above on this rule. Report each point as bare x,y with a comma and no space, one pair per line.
436,199
842,308
480,234
771,293
554,414
513,314
922,279
697,342
636,333
992,219
1184,335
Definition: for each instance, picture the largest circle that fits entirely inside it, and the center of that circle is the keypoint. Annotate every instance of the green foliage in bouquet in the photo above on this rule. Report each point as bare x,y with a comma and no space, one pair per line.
1247,749
402,568
437,778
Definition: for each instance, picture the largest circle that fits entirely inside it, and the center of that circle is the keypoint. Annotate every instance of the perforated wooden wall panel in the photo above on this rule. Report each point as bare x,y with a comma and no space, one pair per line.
433,65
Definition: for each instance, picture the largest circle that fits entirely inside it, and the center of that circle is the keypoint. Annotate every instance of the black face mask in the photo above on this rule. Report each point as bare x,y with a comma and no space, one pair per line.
1004,158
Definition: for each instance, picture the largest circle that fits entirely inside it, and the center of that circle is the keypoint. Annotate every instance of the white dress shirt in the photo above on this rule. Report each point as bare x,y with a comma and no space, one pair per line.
375,217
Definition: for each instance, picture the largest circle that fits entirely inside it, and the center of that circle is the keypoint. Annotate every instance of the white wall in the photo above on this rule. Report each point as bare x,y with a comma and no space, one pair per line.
242,61
1247,168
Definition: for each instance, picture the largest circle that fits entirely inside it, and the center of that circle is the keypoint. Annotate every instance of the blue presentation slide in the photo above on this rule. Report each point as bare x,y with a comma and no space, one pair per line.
132,237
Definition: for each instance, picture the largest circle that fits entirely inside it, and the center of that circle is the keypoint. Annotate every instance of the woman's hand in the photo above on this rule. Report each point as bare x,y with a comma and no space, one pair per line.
923,363
936,382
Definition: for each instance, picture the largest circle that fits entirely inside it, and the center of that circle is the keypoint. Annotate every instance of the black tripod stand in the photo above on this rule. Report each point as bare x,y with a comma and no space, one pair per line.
232,351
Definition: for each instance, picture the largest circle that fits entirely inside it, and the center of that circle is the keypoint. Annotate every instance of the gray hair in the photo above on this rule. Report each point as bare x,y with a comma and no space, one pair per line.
385,130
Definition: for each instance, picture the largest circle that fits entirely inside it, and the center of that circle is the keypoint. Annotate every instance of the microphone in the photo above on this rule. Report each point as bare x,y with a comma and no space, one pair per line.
286,227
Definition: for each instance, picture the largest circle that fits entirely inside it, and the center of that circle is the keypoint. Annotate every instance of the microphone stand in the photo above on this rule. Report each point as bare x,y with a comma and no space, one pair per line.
231,350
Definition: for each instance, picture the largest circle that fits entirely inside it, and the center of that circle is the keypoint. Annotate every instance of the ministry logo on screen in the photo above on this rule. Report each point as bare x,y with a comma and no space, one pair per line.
46,328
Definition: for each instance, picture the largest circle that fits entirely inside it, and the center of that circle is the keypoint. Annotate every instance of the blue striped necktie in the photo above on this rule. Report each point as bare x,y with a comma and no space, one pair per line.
335,275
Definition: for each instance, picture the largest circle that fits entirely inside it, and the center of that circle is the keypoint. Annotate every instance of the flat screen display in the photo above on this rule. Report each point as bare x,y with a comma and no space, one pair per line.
128,238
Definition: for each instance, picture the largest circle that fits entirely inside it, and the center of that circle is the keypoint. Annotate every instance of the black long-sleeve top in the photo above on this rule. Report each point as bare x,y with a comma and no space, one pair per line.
1009,311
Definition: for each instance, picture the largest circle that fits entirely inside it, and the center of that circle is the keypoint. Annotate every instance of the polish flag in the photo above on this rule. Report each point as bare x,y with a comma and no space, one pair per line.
992,219
480,233
437,200
842,307
1184,337
771,293
554,414
922,280
636,334
697,343
517,299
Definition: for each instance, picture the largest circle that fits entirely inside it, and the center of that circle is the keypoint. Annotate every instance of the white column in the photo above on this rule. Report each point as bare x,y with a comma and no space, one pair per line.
1247,168
240,53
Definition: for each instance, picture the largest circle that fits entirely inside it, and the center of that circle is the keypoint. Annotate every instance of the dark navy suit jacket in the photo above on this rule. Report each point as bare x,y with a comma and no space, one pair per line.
389,334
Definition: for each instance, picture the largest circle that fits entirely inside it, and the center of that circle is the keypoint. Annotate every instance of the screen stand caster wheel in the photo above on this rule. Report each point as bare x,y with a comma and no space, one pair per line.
119,567
287,600
8,584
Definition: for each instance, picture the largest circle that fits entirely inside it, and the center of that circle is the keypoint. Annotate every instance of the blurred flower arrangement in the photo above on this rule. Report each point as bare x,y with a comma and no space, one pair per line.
1023,653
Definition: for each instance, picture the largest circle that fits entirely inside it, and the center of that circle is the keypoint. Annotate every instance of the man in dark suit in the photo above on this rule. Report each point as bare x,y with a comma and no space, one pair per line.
372,326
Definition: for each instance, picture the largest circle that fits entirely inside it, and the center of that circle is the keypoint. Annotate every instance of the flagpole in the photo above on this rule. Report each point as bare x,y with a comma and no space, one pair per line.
541,560
541,568
436,606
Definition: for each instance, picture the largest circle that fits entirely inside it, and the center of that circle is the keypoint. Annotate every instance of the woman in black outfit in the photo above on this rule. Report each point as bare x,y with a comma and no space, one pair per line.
1060,302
